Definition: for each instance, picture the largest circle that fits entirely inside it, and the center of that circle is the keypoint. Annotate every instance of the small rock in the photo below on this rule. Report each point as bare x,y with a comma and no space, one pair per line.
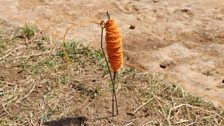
165,64
185,10
207,89
207,73
94,80
40,86
223,81
1,93
155,1
132,27
2,78
220,86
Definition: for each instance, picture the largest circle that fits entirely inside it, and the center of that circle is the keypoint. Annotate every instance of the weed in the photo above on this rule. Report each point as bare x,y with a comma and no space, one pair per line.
177,92
47,115
35,69
22,66
98,58
3,123
49,62
85,50
2,45
97,55
43,65
40,45
127,70
196,101
222,114
28,31
63,80
86,91
4,42
71,49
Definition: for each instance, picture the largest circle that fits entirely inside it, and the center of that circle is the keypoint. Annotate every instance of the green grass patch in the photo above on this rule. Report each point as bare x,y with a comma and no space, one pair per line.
28,31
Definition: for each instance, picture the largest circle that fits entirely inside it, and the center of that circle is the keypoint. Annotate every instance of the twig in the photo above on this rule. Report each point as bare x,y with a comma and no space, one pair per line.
142,105
9,52
188,114
182,121
157,100
66,57
192,123
29,41
8,83
30,120
33,55
11,100
6,110
5,56
187,105
204,110
171,97
147,123
129,124
34,85
171,109
63,46
168,117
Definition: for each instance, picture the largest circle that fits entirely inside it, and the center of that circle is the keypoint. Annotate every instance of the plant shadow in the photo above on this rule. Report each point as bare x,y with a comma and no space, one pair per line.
68,121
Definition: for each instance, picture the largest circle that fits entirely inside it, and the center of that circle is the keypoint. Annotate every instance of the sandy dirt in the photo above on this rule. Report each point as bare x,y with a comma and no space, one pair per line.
183,39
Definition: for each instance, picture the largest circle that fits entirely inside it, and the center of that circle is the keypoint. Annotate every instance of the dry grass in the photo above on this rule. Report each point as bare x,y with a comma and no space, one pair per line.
36,87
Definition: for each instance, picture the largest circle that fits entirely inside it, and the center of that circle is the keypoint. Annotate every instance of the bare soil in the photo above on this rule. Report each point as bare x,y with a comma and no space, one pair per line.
38,88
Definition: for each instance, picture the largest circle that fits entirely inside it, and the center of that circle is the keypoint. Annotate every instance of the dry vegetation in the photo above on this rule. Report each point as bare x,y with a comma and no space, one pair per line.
37,87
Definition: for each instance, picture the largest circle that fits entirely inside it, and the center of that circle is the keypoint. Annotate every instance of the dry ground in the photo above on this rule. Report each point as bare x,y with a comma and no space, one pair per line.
37,88
183,39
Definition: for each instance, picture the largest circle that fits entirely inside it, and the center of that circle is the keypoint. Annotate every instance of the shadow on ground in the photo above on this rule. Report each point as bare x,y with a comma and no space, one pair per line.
68,121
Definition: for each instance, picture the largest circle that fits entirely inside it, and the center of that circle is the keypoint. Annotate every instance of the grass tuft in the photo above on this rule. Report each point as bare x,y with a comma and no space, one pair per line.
71,49
28,31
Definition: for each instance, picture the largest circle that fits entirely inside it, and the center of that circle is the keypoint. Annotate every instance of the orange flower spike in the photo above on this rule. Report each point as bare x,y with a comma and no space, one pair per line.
114,45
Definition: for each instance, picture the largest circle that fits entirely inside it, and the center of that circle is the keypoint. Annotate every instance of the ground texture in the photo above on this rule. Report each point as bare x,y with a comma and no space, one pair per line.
182,39
37,87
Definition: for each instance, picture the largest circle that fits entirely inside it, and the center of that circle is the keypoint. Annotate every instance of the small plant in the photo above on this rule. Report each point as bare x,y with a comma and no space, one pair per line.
3,123
35,69
42,65
197,101
4,42
222,114
22,66
47,114
28,31
63,80
127,71
2,46
71,50
98,59
40,45
97,55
